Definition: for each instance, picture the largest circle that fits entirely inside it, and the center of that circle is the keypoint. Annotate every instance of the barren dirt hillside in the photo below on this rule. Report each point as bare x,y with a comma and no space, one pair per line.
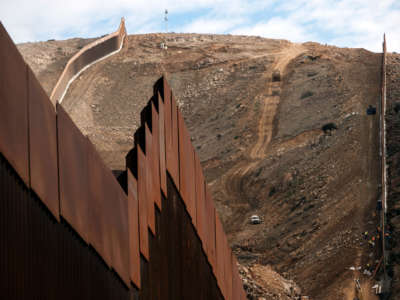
282,132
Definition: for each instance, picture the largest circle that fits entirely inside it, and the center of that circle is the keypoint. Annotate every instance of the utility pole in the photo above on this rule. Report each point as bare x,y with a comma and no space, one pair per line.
166,20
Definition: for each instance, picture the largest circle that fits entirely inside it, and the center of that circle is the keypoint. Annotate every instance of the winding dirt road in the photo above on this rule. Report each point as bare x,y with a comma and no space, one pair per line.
269,100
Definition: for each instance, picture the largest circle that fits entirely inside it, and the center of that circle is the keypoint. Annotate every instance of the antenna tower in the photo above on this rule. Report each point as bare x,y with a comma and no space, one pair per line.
166,20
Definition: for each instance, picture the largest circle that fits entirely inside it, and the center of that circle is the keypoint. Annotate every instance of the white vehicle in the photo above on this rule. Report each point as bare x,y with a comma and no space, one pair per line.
254,219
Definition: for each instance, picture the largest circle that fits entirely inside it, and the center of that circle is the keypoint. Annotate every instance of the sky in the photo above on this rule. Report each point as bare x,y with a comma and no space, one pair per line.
344,23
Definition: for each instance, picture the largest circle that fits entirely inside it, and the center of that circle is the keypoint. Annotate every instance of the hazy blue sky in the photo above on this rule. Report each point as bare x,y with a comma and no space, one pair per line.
346,23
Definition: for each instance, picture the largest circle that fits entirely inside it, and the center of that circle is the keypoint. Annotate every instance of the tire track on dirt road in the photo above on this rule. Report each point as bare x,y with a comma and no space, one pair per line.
270,100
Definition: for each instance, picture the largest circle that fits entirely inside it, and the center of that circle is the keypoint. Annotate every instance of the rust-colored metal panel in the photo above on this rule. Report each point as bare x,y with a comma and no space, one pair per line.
43,146
108,216
166,90
168,130
143,210
211,230
171,136
73,174
117,205
13,106
161,123
155,156
100,218
151,192
44,259
186,169
220,254
201,208
175,142
133,215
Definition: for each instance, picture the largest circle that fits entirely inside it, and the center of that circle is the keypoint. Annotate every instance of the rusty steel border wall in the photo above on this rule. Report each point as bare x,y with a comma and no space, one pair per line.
162,206
383,159
89,54
43,258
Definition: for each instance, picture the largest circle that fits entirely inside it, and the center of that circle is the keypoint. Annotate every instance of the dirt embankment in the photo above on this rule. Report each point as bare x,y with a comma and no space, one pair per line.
261,142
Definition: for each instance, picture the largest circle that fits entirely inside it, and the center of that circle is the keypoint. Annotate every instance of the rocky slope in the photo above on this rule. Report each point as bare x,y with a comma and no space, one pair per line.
281,131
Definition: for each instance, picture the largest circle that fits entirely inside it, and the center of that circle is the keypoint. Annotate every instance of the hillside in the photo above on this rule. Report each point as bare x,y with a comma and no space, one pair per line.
260,139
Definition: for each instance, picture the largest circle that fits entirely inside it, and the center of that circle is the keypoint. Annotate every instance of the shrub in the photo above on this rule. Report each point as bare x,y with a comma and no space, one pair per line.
329,127
306,94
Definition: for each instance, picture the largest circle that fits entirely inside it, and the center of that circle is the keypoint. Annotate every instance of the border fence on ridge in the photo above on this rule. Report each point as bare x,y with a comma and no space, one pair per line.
70,230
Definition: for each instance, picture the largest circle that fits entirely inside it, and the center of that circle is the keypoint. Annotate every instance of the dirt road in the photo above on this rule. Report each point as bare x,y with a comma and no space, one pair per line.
269,101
